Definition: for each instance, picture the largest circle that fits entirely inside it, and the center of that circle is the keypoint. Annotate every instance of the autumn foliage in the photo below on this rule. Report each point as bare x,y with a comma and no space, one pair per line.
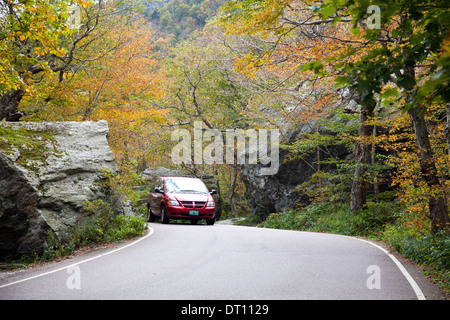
316,67
381,92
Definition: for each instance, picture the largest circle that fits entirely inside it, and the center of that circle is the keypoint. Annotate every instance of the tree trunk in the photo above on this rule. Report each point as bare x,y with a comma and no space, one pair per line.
361,159
9,104
437,202
447,128
376,188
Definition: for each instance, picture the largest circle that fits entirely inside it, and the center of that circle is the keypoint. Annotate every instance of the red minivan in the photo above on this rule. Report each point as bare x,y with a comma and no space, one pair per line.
181,198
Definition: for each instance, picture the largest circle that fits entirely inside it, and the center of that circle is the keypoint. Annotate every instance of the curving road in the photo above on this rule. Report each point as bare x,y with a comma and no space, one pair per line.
178,261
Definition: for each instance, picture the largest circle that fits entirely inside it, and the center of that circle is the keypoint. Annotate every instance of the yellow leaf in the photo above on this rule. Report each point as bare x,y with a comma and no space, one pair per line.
22,37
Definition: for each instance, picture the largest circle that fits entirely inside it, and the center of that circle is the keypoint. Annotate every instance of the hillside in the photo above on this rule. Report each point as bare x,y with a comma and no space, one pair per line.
180,18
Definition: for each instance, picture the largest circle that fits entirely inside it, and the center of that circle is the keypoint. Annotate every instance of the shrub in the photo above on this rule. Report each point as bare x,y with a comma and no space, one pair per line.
288,220
426,249
423,249
336,218
101,226
106,226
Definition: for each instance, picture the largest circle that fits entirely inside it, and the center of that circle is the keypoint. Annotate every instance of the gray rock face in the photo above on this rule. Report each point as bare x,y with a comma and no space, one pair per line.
22,226
268,194
47,171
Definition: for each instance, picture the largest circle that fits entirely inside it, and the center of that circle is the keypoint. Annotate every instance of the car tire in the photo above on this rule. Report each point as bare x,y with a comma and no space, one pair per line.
164,219
210,222
150,215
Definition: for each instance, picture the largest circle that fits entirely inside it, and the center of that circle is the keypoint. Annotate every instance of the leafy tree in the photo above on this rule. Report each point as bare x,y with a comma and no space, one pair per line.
29,45
37,40
202,86
181,19
116,79
307,51
410,34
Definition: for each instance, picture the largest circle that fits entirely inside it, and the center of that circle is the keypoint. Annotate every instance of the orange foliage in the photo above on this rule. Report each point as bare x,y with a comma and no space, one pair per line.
116,80
413,191
282,49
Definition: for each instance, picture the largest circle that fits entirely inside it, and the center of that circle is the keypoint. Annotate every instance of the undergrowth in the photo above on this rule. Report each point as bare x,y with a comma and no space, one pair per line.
102,225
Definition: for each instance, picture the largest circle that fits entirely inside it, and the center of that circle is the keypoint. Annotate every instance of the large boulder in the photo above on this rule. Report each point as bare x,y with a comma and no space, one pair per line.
278,192
48,170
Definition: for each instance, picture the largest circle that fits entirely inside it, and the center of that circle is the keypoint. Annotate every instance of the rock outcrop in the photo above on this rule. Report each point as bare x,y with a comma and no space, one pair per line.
47,171
268,194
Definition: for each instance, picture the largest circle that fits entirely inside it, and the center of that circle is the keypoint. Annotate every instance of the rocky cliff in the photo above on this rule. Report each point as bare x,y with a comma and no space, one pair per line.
47,171
268,194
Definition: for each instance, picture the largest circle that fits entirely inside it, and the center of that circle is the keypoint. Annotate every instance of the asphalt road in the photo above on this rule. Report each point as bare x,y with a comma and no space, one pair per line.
199,262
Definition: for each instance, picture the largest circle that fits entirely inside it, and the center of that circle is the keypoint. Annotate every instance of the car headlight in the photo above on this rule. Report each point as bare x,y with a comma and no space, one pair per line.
210,204
173,203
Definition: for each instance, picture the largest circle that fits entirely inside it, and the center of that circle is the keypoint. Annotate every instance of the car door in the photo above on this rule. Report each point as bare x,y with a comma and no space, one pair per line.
157,198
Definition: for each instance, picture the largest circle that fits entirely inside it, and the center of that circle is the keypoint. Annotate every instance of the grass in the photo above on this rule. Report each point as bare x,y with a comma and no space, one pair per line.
336,218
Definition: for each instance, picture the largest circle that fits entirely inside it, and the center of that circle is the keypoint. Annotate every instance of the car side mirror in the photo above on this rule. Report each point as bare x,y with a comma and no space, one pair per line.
213,192
158,190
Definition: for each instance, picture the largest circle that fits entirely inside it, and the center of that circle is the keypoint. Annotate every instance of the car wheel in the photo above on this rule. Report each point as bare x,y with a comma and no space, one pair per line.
164,218
210,222
150,215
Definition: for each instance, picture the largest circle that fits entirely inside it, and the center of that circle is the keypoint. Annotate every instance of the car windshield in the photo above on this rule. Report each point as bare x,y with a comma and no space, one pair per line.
185,186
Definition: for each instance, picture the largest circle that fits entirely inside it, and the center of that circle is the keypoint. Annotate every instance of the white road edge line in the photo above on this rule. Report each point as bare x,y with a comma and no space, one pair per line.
412,282
83,261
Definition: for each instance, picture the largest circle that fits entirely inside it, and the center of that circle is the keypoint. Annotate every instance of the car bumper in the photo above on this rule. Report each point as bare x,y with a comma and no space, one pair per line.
184,213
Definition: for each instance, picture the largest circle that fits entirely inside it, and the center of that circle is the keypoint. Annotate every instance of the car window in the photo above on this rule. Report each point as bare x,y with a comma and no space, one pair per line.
171,186
185,186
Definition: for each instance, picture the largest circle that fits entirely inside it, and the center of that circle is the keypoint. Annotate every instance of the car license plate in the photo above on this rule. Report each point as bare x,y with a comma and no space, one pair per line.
193,212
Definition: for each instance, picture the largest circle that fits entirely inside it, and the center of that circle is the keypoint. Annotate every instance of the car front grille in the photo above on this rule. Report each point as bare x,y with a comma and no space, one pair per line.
193,204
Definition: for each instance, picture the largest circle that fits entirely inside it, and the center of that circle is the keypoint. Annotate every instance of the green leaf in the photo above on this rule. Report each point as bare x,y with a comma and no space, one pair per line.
341,81
317,66
308,66
327,11
388,93
406,82
355,31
